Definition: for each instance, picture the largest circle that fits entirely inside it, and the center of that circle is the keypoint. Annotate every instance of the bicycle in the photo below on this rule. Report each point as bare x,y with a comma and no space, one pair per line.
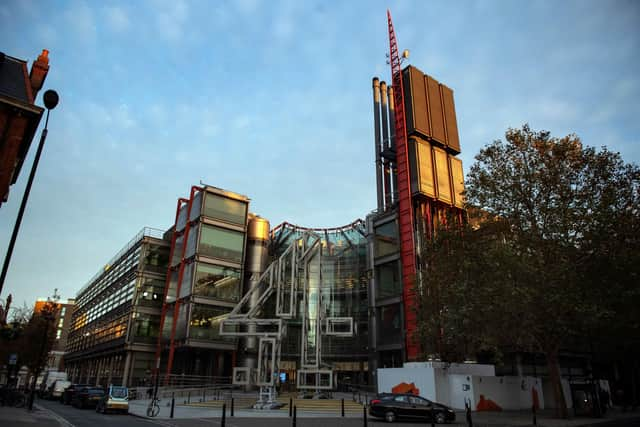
154,407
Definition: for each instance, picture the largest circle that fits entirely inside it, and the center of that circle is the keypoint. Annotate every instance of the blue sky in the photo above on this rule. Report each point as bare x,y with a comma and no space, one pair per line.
272,99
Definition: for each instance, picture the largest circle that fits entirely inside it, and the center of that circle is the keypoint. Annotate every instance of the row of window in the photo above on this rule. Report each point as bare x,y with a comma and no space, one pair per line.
113,274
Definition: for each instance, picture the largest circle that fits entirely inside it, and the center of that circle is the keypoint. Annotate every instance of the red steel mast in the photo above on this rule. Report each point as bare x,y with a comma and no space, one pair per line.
405,214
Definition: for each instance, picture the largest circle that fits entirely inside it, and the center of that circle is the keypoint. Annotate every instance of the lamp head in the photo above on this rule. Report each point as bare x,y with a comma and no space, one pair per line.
50,99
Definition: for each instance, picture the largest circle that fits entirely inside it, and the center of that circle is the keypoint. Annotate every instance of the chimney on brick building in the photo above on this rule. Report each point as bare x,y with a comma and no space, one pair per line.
39,70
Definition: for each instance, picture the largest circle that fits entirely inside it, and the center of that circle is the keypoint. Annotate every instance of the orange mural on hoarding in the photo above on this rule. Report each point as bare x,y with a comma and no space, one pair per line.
406,388
487,405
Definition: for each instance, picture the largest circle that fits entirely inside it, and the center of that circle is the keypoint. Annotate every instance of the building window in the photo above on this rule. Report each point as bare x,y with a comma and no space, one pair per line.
217,282
390,325
386,239
145,327
219,243
205,322
157,258
224,209
388,281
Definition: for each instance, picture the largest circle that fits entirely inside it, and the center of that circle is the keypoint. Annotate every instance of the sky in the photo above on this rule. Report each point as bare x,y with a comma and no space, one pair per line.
272,99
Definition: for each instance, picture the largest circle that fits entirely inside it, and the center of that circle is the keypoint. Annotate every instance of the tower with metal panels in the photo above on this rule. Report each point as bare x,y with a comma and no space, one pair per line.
420,186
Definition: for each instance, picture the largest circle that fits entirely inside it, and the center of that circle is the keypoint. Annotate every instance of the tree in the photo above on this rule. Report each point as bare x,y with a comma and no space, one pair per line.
30,335
527,278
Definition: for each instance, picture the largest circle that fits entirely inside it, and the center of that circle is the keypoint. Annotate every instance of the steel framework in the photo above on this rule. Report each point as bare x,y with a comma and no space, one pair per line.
287,280
405,204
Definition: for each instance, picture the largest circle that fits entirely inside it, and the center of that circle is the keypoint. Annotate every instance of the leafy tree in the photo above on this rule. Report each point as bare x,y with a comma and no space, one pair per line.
556,256
29,335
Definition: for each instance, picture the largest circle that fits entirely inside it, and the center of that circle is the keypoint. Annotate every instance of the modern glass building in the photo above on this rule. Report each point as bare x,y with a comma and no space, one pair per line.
331,299
116,319
205,283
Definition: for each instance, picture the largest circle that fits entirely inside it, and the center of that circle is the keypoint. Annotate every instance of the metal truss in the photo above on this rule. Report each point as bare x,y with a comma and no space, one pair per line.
297,272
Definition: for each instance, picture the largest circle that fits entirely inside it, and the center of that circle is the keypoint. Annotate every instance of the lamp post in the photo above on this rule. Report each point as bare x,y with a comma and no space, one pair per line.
50,99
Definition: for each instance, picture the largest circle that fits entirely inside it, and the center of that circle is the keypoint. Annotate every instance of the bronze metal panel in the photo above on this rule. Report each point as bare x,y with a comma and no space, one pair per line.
435,109
427,183
413,165
457,180
417,111
453,141
442,175
408,100
420,108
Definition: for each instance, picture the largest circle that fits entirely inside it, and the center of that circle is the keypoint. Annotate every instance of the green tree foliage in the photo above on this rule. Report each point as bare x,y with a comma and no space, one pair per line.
554,258
30,336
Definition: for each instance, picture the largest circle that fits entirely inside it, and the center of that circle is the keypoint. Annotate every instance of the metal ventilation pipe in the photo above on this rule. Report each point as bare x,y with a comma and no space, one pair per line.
392,145
385,144
378,141
255,264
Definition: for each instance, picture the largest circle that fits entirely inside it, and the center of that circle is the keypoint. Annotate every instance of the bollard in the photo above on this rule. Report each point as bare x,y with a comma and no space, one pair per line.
364,412
343,407
290,407
293,423
533,409
224,415
232,406
173,403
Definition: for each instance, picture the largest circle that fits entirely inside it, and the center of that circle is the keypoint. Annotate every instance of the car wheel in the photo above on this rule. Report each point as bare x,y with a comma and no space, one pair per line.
390,417
440,418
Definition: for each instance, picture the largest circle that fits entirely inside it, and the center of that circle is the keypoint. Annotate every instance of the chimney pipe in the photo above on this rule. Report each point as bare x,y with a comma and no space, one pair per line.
392,145
378,141
39,70
385,144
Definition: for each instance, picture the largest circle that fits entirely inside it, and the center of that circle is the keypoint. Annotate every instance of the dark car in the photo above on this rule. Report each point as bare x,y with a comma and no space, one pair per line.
87,397
67,394
394,406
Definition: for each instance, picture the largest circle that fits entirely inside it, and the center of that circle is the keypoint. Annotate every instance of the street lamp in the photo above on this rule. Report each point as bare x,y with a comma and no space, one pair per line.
50,99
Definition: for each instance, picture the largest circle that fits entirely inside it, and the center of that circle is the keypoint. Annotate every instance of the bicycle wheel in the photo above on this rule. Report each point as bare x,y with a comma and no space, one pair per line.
153,410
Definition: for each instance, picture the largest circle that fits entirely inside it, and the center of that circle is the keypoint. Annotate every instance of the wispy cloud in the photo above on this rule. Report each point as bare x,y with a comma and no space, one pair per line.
117,19
172,19
81,21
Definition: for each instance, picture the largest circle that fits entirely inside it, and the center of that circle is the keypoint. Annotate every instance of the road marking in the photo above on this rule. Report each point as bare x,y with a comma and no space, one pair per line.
55,416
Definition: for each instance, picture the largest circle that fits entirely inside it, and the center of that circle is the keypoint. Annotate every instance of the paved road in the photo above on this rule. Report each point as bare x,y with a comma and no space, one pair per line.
90,418
72,417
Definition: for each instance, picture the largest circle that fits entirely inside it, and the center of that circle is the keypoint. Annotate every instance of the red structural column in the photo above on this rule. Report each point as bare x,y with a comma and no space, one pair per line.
176,308
405,214
167,284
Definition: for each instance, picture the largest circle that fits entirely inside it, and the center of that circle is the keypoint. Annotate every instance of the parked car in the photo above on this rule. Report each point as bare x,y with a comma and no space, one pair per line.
57,388
87,397
393,406
116,399
67,395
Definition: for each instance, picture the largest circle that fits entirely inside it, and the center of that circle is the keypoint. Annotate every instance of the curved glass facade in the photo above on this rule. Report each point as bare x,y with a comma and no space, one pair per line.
335,287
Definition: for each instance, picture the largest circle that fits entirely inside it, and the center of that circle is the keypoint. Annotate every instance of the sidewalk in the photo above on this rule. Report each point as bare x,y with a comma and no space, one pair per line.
20,417
189,414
